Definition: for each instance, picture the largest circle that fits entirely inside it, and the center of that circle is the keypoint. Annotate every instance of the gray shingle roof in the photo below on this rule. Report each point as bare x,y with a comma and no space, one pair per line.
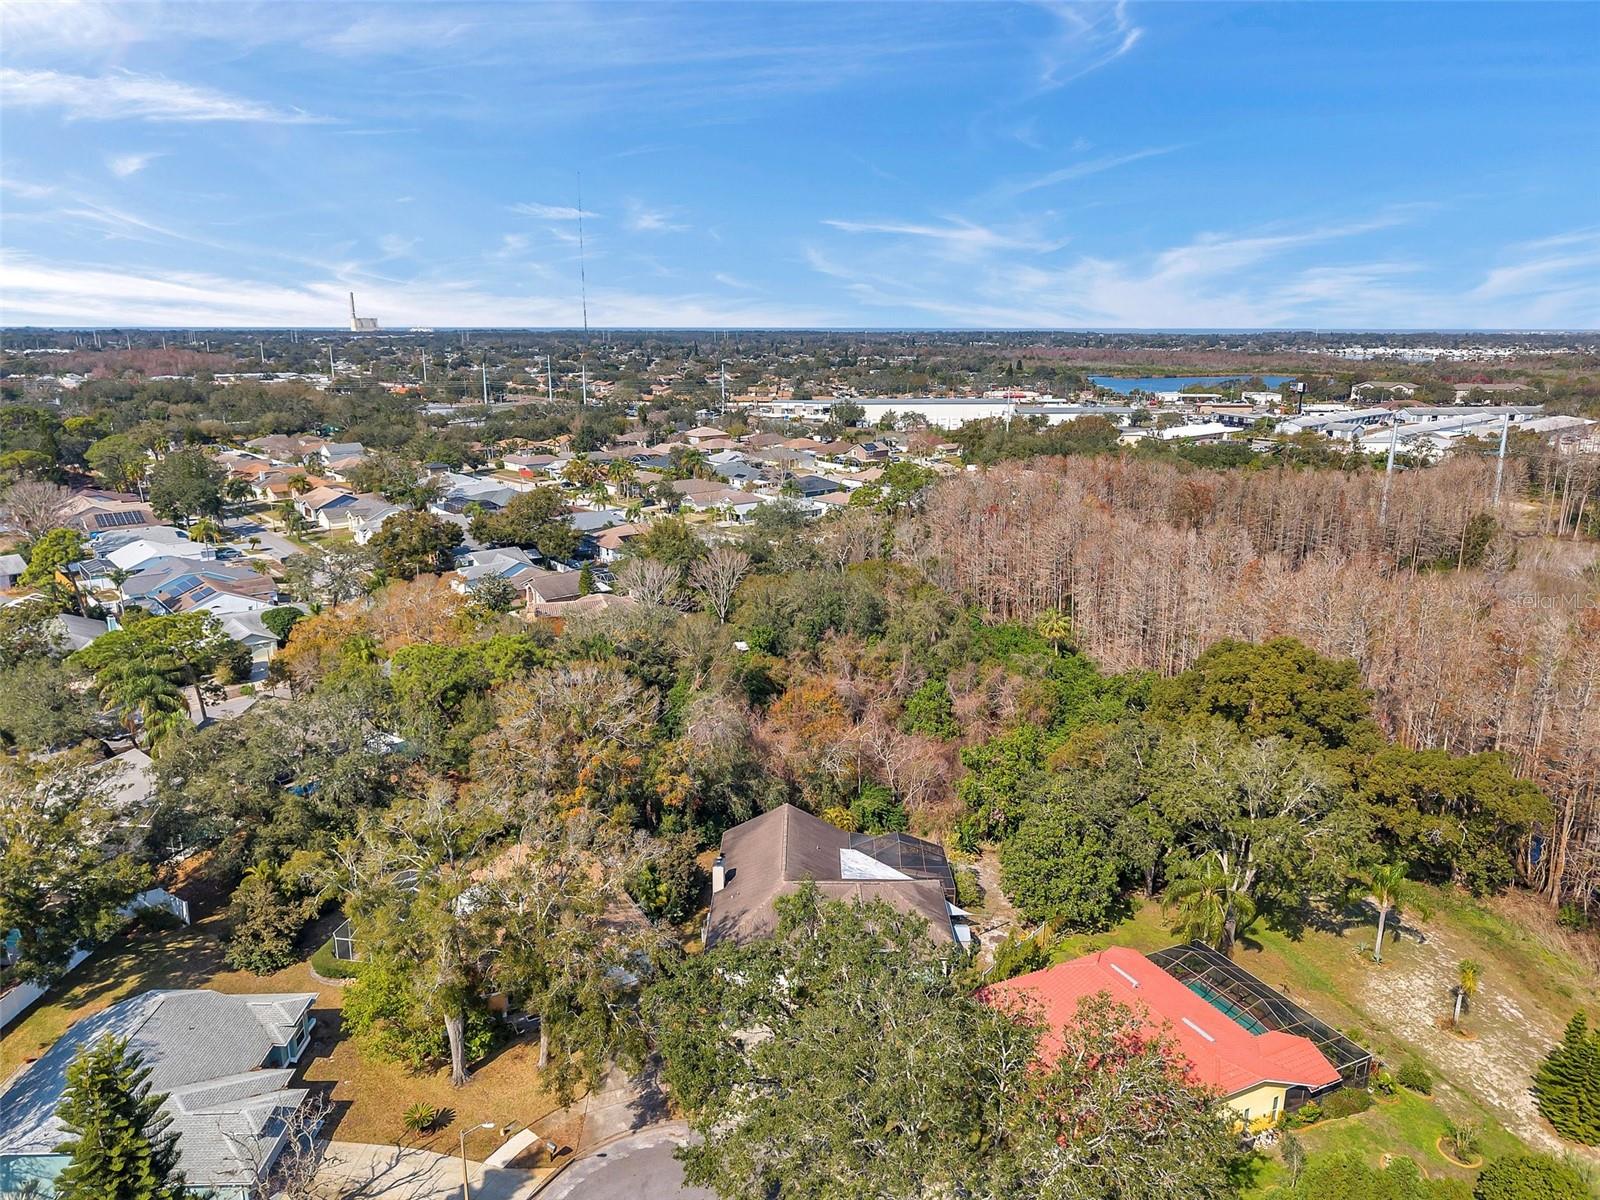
204,1049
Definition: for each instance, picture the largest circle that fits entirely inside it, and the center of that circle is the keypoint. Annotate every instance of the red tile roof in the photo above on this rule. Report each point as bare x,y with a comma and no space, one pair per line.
1222,1054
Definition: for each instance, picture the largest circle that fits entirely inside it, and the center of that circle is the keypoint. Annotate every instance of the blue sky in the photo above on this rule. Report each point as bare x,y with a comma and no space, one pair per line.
954,165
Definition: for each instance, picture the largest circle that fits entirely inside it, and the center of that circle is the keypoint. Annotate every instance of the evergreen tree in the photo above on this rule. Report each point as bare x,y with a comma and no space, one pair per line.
121,1148
1567,1084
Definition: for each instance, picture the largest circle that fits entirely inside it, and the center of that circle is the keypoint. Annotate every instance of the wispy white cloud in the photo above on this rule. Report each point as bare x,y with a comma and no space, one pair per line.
955,234
1083,169
123,165
28,191
650,220
395,245
1090,34
553,212
124,95
1272,276
40,291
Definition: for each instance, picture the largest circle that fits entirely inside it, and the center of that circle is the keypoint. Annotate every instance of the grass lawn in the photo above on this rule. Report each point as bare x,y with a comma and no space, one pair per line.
370,1099
1407,1124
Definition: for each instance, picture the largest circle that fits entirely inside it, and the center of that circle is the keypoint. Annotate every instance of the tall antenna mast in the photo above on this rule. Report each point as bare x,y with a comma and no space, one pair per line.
1500,465
583,290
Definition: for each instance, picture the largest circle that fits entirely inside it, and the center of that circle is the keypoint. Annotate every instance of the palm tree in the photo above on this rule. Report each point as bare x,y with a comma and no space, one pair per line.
206,530
1388,889
144,697
622,473
1054,627
1468,976
1211,905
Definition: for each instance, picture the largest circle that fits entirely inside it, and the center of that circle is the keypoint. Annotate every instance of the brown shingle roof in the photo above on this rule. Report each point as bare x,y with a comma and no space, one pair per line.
773,854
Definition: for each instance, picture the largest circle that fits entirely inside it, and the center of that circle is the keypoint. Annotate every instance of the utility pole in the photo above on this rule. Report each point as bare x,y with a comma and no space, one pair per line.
1500,465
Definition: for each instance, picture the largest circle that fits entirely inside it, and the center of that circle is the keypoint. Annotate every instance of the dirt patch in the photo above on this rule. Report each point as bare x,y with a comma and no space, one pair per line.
995,917
1414,993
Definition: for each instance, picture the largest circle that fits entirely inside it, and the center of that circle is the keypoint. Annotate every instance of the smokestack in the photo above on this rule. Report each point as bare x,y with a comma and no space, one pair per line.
719,875
352,310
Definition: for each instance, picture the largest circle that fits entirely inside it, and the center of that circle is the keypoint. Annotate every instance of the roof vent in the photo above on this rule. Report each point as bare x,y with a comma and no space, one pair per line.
1198,1030
1132,982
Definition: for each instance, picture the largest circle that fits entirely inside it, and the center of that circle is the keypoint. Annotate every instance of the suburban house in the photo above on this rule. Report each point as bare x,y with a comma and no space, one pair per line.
551,587
461,491
286,449
321,504
809,487
11,568
611,544
508,562
94,511
174,585
129,550
251,632
704,433
1263,1054
580,606
70,632
773,854
225,1064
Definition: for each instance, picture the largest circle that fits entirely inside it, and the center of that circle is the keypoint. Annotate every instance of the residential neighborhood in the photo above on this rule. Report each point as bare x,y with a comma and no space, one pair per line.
799,601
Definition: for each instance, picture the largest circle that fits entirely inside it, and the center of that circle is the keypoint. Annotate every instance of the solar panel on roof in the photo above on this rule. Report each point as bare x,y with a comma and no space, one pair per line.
113,520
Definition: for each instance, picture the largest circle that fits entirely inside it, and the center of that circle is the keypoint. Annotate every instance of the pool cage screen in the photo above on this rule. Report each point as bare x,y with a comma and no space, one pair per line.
1239,995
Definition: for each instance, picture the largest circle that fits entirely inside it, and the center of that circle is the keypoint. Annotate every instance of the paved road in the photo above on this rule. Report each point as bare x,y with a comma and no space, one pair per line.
639,1167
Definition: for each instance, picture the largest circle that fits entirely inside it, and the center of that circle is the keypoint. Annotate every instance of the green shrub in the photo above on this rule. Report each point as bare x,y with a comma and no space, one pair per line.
1572,917
1346,1102
876,810
421,1117
324,963
969,892
157,917
1414,1074
930,710
391,1022
1018,955
1308,1113
1462,1139
668,886
1530,1177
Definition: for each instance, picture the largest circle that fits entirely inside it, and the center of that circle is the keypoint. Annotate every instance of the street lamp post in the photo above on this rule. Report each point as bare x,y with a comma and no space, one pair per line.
466,1184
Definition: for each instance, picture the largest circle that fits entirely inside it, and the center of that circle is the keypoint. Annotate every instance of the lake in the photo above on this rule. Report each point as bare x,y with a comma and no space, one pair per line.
1176,383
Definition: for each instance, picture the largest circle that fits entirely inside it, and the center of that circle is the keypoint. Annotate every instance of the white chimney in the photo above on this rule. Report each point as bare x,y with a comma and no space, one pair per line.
719,877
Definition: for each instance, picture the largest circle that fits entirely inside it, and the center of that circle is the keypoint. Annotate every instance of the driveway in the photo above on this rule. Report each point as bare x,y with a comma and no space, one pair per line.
359,1171
637,1167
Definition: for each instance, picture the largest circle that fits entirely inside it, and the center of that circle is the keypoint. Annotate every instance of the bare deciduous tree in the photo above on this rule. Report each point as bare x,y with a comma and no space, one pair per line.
650,581
34,506
716,577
